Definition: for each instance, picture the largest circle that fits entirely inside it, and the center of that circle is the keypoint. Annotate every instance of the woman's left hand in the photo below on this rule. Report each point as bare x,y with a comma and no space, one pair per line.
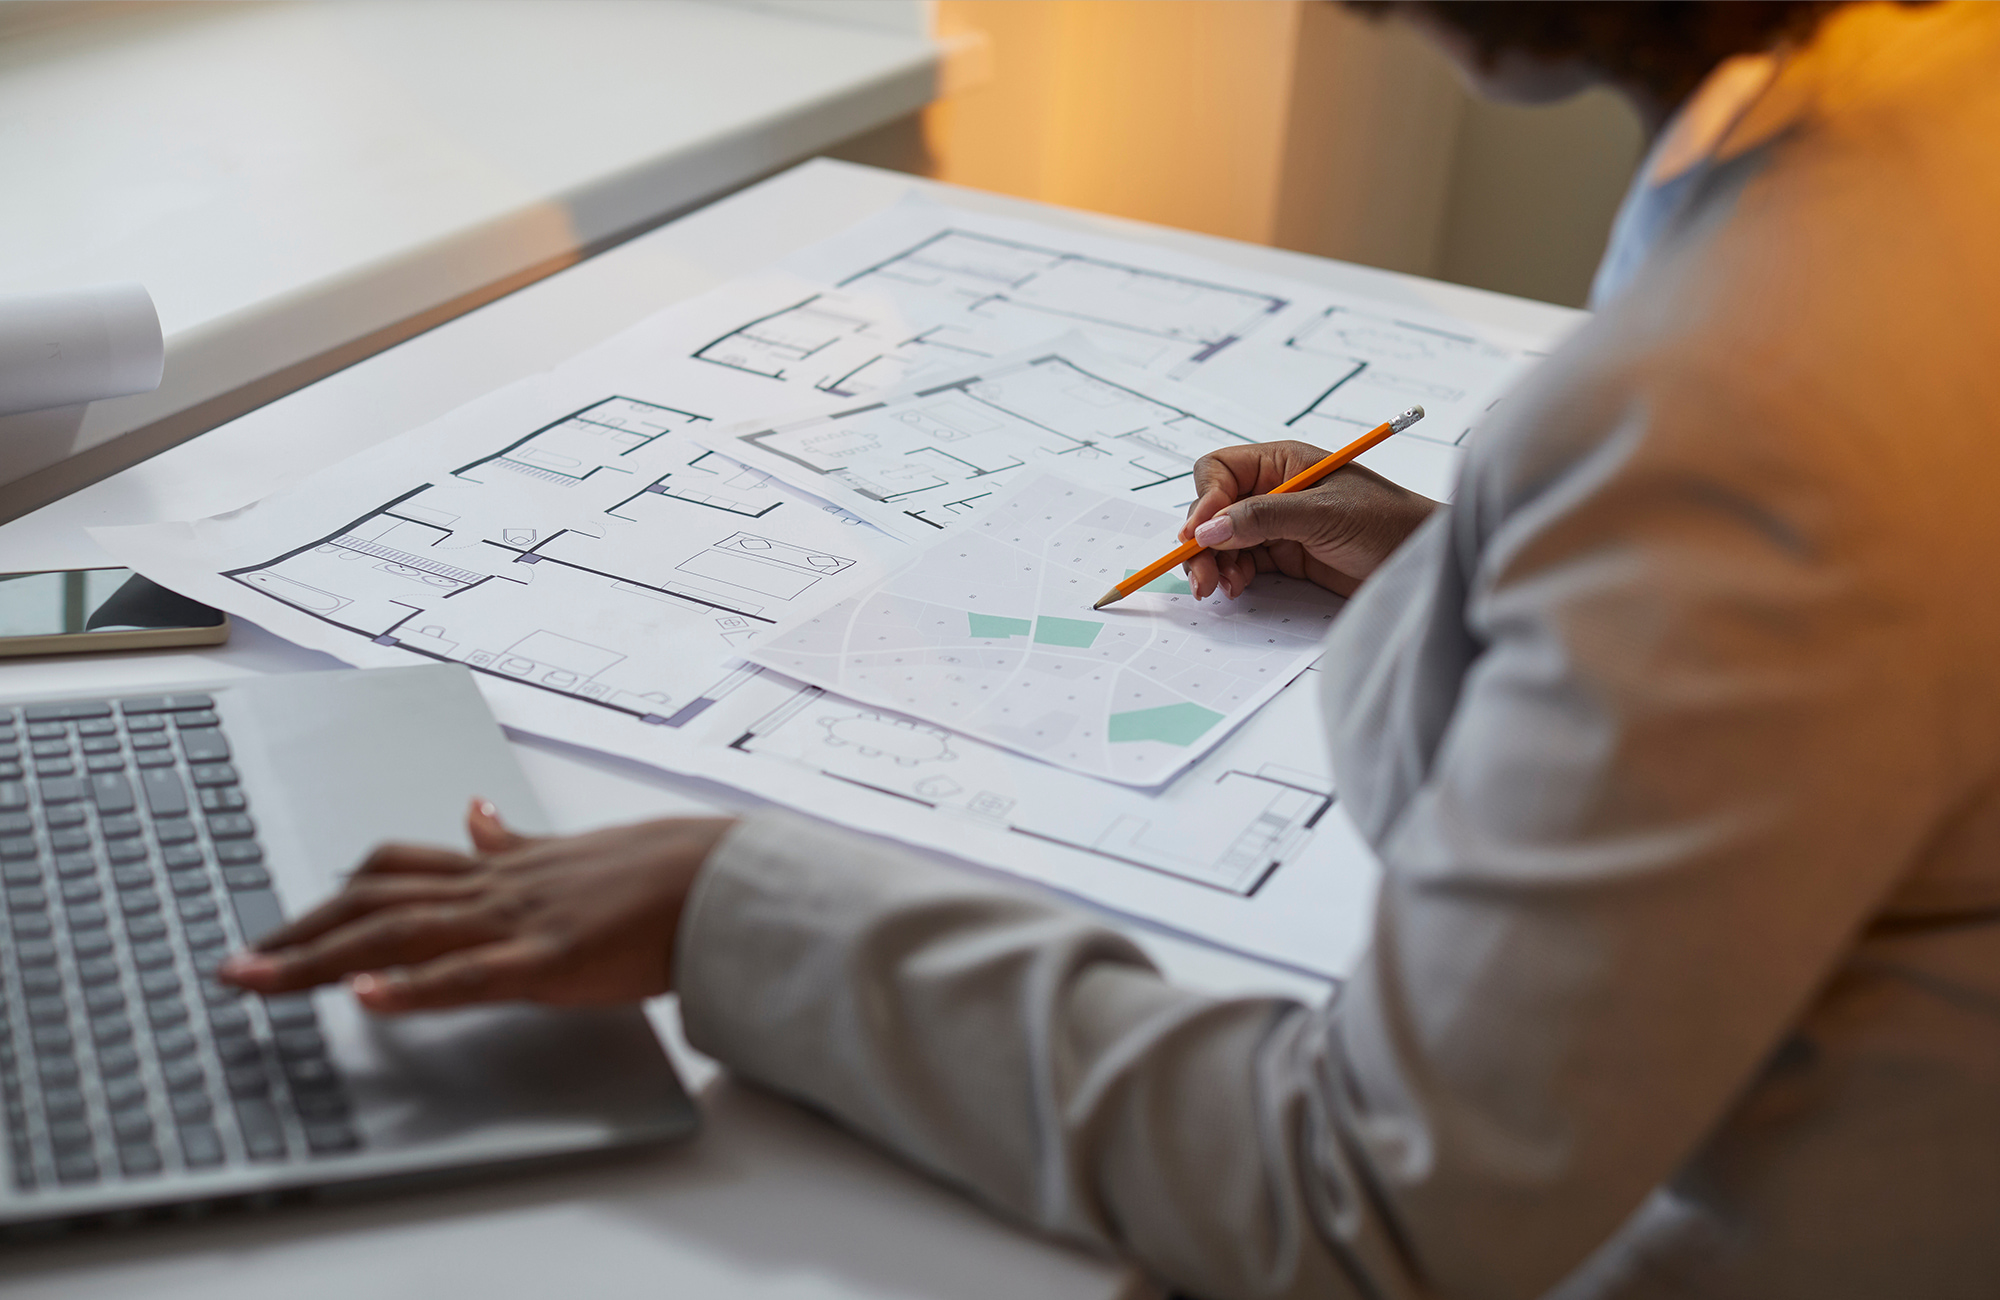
581,919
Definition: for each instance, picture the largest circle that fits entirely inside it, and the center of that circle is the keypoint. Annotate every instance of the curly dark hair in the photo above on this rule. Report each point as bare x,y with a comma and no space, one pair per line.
1664,46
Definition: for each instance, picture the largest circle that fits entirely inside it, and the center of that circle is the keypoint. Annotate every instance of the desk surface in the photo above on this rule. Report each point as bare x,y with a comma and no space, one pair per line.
769,1201
298,184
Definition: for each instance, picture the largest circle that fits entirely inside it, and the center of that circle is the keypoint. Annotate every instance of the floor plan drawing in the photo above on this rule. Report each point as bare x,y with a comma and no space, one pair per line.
916,464
988,631
1380,363
1229,823
605,557
843,344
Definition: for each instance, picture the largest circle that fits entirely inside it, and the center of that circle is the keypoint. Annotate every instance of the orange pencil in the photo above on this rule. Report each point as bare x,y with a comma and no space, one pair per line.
1298,482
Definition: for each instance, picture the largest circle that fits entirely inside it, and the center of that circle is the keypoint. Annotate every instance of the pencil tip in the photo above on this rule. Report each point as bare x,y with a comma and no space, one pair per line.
1108,598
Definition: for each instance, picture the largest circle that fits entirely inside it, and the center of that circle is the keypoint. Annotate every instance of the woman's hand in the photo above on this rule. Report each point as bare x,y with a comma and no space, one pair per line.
576,920
1334,534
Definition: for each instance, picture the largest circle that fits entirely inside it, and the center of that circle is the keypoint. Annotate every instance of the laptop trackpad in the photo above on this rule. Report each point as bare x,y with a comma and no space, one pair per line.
513,1076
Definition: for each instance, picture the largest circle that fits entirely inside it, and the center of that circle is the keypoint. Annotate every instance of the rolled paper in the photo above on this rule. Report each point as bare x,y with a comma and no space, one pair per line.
59,349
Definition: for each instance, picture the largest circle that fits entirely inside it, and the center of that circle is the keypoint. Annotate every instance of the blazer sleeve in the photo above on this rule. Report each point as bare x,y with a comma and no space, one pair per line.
1675,781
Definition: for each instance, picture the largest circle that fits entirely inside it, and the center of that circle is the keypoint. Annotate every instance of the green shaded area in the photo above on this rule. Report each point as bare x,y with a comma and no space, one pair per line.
1170,724
1167,584
1076,633
994,625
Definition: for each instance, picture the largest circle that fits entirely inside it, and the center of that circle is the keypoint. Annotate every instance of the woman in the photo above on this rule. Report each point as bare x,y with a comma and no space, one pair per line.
1678,735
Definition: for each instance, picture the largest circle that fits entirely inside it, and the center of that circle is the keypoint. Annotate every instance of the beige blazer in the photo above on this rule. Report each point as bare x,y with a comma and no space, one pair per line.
1679,739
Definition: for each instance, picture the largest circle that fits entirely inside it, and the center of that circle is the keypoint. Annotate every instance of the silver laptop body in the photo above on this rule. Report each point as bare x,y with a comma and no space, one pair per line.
191,820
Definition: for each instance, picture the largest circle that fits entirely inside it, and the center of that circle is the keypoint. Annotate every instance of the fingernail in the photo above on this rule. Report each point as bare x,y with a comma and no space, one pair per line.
1216,531
485,808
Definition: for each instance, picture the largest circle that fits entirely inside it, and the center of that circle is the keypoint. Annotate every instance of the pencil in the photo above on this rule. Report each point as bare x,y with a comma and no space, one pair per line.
1298,482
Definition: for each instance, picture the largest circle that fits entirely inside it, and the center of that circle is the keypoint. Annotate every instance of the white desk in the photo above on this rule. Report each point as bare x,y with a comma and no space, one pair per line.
769,1201
302,184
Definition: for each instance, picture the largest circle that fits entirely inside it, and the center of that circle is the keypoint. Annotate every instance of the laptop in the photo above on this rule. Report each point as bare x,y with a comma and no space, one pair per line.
143,837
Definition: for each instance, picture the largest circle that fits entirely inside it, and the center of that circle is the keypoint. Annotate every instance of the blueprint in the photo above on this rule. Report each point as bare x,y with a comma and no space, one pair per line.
1323,364
922,293
917,462
600,558
989,631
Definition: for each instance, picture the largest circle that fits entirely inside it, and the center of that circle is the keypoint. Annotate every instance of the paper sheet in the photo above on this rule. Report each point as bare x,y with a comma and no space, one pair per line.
58,349
989,631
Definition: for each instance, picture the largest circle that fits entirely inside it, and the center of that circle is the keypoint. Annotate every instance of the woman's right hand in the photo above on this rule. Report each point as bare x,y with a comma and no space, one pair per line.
1335,533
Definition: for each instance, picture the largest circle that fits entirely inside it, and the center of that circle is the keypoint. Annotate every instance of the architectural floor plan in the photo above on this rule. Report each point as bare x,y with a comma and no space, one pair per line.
917,463
595,558
988,631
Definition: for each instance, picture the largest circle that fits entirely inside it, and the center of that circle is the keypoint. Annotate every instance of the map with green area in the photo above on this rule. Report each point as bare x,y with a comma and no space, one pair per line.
1170,724
998,626
1169,583
1076,633
984,632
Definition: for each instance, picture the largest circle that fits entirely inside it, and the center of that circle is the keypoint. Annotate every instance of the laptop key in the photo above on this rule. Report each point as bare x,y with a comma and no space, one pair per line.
326,1103
69,841
66,710
263,1133
75,864
257,913
63,789
230,826
131,876
97,971
112,793
204,745
126,1093
182,856
18,849
292,1012
224,798
119,826
190,1108
138,1161
117,1062
74,1169
173,830
35,952
201,1146
69,1135
172,1044
131,1126
13,796
238,853
325,1139
165,795
214,774
245,877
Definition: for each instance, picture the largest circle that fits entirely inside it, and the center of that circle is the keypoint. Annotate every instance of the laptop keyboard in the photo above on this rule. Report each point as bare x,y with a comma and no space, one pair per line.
131,867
